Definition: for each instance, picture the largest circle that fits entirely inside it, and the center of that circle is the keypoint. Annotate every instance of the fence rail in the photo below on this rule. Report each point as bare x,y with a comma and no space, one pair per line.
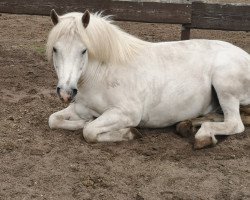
198,15
233,17
153,12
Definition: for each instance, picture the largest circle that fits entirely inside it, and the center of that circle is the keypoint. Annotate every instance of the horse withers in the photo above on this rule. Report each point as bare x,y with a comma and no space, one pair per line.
115,82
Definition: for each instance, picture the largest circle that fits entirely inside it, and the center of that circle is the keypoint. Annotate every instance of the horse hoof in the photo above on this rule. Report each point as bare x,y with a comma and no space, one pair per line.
135,133
185,128
203,142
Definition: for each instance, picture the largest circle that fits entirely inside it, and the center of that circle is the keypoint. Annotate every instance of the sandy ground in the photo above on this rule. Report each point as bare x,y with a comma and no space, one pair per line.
39,163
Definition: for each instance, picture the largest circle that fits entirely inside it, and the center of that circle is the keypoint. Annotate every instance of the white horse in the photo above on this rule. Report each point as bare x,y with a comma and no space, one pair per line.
116,82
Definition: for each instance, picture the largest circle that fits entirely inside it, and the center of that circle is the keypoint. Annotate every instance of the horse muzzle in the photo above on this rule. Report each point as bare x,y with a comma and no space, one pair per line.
68,95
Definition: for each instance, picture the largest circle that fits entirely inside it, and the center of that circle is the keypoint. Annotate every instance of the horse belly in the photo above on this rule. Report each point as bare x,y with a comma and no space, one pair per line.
173,108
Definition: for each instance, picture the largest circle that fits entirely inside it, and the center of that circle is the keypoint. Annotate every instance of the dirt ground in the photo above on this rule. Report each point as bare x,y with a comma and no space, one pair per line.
39,163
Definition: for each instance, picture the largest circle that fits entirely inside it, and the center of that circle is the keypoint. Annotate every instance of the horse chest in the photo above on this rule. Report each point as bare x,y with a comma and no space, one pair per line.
94,104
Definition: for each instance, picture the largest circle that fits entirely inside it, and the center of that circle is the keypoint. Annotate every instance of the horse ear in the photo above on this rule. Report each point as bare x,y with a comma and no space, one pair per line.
86,18
54,16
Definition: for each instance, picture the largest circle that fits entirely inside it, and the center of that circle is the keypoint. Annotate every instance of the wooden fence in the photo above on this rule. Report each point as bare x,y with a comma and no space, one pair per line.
198,15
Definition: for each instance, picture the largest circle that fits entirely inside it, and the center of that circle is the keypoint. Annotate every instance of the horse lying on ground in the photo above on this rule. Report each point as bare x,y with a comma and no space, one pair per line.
116,82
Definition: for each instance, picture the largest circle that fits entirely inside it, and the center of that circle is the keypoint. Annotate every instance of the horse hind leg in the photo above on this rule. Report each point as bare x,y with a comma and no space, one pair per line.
189,127
232,124
228,96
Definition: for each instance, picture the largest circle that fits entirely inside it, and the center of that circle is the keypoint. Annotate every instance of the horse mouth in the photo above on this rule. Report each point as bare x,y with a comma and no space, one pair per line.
67,96
68,100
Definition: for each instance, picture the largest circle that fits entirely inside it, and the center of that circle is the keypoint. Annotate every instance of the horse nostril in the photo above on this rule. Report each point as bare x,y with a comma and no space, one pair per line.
74,92
58,90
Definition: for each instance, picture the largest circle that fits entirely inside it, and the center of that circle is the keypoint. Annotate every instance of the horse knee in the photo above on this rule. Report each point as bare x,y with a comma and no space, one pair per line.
89,135
240,127
54,120
235,126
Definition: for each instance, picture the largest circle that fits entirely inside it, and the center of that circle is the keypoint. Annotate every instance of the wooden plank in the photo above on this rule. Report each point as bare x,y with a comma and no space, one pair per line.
231,17
152,12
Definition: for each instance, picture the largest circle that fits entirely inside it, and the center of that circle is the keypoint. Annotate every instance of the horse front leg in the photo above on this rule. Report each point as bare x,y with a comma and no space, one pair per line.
112,126
66,119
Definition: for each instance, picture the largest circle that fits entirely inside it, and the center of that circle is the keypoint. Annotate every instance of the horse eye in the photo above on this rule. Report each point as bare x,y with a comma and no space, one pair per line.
54,50
84,51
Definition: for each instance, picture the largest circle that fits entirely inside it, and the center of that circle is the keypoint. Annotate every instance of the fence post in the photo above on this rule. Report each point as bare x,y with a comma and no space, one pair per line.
185,32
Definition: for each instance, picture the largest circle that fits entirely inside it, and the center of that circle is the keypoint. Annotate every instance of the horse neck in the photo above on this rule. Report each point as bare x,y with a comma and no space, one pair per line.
112,45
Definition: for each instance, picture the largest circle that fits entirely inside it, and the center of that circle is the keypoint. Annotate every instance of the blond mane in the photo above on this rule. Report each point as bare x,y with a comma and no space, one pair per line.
105,41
